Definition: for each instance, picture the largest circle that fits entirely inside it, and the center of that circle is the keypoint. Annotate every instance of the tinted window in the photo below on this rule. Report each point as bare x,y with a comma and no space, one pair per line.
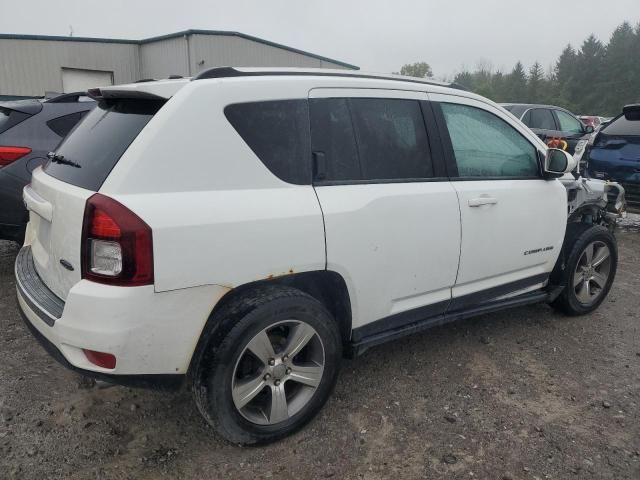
278,133
9,118
392,138
541,118
568,123
63,125
332,135
487,146
622,126
526,119
100,140
371,138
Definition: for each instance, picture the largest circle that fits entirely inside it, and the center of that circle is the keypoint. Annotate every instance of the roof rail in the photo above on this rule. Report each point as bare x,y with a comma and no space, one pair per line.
228,72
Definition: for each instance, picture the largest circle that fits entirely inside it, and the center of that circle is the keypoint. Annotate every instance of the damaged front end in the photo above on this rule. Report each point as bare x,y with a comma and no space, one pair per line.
593,201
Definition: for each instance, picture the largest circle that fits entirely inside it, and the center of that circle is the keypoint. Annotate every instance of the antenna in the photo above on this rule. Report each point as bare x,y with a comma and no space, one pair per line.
71,30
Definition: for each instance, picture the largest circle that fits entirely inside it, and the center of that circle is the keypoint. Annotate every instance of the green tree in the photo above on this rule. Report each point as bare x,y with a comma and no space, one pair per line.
588,82
620,81
536,84
516,84
596,79
563,78
418,69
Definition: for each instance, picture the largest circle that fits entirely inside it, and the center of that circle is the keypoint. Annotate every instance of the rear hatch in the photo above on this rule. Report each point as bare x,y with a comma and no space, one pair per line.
58,194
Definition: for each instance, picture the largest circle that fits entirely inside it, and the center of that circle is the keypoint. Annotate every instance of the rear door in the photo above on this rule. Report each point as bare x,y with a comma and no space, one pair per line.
513,221
391,216
57,195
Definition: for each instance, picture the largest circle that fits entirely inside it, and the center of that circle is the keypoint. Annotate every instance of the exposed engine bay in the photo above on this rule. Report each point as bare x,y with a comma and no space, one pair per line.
591,200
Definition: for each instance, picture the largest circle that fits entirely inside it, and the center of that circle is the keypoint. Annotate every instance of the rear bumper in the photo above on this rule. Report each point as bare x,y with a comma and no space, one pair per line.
151,334
158,382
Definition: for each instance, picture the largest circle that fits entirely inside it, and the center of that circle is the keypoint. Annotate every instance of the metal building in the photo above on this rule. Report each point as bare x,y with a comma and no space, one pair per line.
31,65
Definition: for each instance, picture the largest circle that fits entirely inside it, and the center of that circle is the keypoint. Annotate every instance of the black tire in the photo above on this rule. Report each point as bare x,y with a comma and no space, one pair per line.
579,237
232,328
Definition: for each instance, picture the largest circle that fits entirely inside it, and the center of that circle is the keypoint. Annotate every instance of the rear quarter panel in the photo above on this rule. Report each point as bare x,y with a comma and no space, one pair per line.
218,215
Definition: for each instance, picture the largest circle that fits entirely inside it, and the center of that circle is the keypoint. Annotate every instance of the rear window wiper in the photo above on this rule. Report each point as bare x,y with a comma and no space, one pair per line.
54,157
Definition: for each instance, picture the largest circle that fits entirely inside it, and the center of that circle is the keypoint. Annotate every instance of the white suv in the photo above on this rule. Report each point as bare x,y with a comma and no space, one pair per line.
245,229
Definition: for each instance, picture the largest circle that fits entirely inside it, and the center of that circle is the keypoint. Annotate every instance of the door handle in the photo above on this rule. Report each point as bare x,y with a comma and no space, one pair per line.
482,200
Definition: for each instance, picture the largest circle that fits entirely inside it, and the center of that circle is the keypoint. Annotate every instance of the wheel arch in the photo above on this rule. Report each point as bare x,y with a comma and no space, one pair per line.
326,286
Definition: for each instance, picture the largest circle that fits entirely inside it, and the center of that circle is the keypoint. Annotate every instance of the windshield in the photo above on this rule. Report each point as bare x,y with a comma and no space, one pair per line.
87,156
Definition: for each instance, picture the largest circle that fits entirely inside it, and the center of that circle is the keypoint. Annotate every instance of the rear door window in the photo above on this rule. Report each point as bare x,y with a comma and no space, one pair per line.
371,139
95,147
392,139
542,118
61,126
278,133
333,136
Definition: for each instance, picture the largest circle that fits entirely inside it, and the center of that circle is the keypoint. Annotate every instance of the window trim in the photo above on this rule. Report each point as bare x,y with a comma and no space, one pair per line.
452,166
433,142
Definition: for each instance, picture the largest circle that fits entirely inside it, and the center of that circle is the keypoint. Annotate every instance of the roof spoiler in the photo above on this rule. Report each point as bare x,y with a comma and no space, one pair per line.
632,112
100,94
30,107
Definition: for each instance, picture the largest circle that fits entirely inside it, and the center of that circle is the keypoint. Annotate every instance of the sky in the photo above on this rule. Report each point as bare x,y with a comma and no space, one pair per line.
376,35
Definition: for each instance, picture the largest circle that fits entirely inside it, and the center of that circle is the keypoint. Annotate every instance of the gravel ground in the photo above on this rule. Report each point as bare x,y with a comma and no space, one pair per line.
522,394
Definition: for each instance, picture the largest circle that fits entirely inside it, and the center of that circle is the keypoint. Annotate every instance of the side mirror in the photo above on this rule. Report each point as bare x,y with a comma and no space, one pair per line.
632,112
589,129
558,162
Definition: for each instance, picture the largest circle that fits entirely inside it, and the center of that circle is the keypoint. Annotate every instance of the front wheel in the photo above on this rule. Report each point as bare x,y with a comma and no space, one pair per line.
589,271
270,366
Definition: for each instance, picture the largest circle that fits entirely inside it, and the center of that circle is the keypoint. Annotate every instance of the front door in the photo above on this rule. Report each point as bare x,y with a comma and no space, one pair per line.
391,216
513,220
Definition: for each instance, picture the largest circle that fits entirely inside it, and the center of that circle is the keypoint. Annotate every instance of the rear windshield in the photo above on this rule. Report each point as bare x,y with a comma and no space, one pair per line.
9,118
96,144
622,127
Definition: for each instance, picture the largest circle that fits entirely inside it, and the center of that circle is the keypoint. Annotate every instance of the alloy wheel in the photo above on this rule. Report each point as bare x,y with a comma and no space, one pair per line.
278,372
592,272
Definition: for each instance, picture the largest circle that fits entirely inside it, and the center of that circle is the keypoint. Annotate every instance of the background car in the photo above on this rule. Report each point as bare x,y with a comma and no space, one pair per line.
29,129
549,122
614,153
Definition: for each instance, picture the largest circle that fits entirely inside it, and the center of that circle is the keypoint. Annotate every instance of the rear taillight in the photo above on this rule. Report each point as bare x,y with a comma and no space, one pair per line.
11,154
117,246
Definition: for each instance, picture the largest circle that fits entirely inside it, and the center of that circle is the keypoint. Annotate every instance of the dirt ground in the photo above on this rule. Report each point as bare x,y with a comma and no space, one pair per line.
522,394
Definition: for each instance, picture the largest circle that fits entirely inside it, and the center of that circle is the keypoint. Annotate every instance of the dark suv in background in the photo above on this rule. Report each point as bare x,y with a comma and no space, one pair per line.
614,153
29,129
549,122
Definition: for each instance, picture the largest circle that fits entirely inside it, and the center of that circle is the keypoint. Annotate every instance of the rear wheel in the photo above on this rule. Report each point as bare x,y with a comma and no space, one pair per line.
589,272
269,367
